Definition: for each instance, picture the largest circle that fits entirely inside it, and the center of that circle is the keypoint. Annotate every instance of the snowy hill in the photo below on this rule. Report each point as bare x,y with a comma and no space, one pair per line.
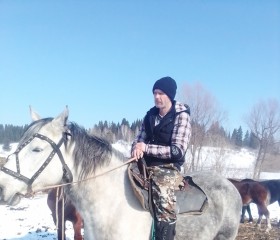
230,163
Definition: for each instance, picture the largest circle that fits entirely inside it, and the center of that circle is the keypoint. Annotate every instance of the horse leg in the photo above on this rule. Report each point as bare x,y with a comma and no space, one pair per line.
249,213
77,226
243,214
268,222
279,217
262,209
260,216
248,209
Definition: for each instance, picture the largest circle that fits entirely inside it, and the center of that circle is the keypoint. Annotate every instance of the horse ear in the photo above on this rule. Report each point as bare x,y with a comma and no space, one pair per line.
34,116
62,118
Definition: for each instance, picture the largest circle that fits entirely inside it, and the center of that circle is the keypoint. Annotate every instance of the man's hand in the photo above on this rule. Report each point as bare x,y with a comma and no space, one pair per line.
138,151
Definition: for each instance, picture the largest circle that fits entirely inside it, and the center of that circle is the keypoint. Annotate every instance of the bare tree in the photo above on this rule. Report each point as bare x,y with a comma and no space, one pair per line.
204,112
264,122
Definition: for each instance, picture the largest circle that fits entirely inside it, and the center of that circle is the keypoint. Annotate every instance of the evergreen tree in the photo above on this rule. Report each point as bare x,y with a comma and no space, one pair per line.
2,133
239,137
135,126
125,122
246,140
10,133
233,136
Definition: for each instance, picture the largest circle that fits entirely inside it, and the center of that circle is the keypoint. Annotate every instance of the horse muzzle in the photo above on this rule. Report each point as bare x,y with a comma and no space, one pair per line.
12,201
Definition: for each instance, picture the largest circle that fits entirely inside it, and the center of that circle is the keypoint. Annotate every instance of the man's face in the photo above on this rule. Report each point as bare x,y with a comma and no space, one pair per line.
160,98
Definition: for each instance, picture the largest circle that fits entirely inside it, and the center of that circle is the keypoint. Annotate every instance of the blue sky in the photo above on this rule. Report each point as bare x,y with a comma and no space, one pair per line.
101,58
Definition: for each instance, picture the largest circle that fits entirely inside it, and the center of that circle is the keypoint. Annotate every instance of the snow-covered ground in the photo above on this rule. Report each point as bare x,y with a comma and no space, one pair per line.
32,220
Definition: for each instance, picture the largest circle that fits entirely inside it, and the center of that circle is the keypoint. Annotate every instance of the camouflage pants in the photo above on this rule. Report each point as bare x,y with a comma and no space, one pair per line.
164,180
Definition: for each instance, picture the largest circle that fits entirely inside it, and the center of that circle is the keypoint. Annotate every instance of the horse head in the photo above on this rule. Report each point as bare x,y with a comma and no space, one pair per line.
38,160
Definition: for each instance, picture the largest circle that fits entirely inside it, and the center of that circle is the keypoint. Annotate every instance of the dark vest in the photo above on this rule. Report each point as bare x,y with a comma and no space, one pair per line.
160,134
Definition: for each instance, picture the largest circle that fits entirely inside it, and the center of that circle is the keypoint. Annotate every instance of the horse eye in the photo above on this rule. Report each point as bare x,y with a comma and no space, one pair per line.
37,149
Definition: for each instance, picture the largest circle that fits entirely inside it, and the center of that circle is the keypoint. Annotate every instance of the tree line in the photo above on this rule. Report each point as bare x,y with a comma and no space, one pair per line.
127,132
262,120
10,134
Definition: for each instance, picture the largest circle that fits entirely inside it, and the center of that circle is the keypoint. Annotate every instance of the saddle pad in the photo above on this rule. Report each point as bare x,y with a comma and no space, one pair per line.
190,200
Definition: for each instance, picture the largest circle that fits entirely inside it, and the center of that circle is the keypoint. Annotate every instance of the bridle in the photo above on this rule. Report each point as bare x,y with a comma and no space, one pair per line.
67,175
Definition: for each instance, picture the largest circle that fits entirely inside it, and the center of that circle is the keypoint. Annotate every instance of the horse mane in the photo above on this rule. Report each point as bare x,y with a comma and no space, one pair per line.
90,151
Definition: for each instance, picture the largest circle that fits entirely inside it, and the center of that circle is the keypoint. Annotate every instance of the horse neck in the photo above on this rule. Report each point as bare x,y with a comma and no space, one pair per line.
107,197
106,193
110,179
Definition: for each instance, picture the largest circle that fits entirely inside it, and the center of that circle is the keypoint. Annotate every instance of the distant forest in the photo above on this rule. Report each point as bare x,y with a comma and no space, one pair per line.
262,120
127,132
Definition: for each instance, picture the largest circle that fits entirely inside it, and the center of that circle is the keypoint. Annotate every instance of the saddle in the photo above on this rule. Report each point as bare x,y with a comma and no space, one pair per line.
190,198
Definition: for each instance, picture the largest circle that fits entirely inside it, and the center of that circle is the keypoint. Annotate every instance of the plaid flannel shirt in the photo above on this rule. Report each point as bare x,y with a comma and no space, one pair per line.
180,136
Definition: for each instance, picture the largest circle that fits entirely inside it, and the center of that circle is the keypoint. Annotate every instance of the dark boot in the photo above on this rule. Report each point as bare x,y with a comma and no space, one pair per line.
165,231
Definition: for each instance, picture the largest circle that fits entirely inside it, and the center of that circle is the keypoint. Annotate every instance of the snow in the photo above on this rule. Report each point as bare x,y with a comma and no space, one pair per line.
123,147
31,219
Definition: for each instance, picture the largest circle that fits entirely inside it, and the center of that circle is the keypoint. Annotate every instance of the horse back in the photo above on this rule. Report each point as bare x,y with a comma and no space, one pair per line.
273,186
251,191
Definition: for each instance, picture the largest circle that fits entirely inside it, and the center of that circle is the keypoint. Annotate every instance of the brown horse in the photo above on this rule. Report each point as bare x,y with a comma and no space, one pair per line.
253,192
70,214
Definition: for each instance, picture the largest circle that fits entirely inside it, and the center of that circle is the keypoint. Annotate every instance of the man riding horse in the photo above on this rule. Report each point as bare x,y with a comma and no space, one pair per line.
162,142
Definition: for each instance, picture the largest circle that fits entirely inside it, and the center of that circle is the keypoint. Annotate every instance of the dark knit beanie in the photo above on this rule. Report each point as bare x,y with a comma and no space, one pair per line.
167,85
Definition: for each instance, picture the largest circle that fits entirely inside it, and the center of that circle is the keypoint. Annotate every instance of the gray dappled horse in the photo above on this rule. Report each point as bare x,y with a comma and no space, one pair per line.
52,151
